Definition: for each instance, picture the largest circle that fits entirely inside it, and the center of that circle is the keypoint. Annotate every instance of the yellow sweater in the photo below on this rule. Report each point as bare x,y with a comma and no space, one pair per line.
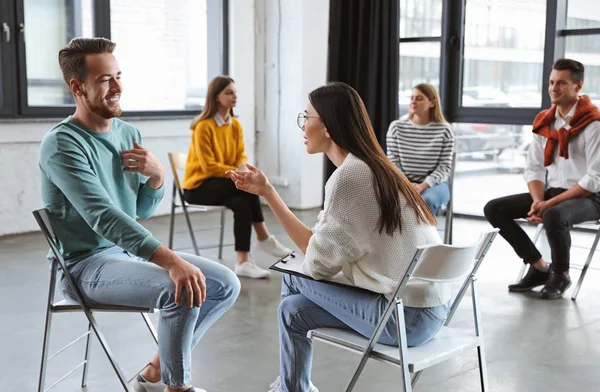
214,150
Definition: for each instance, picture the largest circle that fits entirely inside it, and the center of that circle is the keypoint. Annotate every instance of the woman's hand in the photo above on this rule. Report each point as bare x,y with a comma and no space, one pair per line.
252,181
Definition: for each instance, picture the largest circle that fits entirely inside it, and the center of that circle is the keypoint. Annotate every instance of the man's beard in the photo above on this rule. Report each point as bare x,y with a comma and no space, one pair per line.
102,110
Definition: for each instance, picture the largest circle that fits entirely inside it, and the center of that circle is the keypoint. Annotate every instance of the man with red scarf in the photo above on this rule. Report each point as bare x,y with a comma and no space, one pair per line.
563,176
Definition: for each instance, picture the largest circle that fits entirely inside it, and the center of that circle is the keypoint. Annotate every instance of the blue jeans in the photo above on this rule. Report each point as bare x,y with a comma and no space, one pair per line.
436,196
115,277
307,304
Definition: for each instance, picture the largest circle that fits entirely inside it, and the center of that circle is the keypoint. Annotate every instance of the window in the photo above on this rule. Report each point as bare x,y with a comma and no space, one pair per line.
420,46
503,53
582,42
484,150
163,51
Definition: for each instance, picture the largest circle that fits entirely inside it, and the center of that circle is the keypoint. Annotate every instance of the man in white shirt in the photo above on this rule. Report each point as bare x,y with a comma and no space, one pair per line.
563,177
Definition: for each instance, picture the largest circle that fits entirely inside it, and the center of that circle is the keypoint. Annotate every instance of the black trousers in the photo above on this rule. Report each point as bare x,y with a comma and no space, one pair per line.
557,220
245,206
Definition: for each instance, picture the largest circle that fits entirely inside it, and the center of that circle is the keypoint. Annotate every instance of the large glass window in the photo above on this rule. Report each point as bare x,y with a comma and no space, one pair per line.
162,51
485,150
420,45
583,14
49,26
503,53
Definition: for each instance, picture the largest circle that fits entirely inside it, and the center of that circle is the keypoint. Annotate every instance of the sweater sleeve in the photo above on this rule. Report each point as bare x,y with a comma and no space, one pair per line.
444,168
68,168
240,156
147,198
204,144
393,149
334,240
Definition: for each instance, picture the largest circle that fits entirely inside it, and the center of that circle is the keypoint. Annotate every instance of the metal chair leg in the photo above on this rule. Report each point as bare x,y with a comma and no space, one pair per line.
448,224
221,234
150,326
480,349
586,266
47,326
88,346
191,230
172,223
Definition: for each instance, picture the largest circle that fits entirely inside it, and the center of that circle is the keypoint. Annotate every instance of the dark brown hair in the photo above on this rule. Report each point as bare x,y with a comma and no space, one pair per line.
71,58
343,113
211,106
575,67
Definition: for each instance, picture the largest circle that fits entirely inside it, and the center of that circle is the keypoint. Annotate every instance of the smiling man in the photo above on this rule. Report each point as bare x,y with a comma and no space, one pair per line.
96,179
563,176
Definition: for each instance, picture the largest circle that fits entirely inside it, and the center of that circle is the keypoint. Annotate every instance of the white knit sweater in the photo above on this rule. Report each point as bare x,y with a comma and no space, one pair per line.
346,238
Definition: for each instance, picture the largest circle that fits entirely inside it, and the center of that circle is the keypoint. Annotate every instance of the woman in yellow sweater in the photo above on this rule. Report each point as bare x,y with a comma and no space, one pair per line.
218,146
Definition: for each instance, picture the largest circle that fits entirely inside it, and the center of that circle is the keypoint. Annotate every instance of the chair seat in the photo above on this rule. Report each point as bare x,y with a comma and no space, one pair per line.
200,207
67,305
448,343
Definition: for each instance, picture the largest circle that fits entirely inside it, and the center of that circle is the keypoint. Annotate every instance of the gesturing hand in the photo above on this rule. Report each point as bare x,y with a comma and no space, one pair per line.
142,161
188,276
252,181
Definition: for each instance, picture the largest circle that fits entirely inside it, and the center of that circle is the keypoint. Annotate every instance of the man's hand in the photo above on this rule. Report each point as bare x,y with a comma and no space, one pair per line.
141,160
183,274
188,276
537,210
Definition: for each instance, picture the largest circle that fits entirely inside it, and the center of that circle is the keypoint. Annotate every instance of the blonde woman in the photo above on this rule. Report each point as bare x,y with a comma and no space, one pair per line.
421,146
218,146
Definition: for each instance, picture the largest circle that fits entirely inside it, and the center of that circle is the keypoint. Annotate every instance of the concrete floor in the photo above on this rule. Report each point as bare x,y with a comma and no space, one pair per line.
531,345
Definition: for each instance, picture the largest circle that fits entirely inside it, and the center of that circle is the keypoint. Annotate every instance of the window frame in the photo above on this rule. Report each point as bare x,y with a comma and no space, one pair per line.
13,66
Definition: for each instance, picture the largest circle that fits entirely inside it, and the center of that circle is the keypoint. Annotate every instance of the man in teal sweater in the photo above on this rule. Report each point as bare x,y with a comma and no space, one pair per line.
96,178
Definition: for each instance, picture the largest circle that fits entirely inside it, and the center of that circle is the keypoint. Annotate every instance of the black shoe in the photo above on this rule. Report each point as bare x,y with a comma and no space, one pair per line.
533,278
556,286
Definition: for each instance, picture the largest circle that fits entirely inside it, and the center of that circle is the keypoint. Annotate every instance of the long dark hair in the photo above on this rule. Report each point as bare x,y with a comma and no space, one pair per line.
343,113
211,106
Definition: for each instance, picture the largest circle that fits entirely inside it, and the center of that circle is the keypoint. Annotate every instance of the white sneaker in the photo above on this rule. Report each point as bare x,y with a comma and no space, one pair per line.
250,270
139,384
276,386
274,247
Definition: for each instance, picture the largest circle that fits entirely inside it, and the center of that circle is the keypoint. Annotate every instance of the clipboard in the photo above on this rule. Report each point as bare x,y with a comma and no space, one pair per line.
292,264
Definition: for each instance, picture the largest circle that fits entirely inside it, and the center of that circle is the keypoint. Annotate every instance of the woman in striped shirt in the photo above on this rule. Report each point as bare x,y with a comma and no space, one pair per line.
421,146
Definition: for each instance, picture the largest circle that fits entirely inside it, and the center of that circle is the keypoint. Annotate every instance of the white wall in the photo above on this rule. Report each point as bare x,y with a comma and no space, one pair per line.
253,39
295,42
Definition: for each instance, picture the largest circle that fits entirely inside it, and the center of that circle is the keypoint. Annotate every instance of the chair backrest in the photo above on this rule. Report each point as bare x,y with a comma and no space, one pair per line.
177,161
449,263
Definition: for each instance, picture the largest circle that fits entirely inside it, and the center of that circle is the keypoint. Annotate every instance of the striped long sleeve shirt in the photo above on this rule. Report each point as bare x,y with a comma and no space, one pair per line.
422,152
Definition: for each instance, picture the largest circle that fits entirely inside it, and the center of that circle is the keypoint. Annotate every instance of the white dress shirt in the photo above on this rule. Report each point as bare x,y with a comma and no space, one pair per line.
583,165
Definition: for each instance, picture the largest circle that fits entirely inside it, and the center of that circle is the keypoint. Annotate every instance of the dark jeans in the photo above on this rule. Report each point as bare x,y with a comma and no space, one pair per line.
557,220
245,206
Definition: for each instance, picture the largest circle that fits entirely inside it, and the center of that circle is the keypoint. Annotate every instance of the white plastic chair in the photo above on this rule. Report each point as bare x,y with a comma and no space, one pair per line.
79,305
435,263
584,268
177,161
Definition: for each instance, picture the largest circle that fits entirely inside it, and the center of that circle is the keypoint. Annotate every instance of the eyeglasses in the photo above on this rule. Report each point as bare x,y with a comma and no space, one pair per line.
302,119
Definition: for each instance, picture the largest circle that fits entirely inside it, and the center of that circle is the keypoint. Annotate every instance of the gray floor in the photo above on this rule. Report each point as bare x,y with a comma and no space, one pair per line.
531,345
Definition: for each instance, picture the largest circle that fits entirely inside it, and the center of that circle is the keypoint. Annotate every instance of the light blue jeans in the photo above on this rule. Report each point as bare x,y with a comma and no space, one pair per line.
436,196
307,304
115,277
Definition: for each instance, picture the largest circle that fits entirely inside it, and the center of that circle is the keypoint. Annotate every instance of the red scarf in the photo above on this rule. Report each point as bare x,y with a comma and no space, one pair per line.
585,113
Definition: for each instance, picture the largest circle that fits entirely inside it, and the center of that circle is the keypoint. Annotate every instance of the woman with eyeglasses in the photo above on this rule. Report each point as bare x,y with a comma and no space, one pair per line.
373,220
218,146
421,146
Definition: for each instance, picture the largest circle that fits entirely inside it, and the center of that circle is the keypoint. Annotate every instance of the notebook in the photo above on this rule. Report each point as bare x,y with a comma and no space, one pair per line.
292,264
